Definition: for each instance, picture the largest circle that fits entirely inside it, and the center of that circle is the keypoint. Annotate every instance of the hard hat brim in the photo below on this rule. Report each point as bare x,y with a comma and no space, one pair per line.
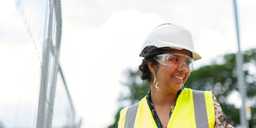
196,56
152,50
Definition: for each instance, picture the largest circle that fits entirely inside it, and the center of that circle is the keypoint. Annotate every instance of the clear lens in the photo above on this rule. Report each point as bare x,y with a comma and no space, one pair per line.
174,58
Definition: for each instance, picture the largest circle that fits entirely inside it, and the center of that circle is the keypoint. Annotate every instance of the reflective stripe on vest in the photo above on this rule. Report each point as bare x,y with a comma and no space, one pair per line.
200,109
130,116
200,112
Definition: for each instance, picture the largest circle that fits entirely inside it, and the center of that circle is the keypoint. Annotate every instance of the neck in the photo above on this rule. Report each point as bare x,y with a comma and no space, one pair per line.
161,98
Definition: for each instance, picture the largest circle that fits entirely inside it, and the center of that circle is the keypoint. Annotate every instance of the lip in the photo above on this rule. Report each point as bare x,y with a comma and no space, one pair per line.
179,78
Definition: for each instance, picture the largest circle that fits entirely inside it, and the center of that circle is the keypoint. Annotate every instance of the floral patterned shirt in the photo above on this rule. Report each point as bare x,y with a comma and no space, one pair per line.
220,119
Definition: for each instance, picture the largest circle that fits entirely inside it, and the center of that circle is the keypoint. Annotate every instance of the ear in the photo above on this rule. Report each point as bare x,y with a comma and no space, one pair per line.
153,68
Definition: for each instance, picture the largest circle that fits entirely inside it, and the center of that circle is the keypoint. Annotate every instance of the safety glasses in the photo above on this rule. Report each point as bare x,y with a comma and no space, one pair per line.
174,58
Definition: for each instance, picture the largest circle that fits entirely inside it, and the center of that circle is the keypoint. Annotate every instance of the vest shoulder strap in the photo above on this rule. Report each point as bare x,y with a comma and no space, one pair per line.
200,109
131,116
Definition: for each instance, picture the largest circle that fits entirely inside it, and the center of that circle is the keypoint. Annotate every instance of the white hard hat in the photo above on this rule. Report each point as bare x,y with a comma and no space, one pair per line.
171,36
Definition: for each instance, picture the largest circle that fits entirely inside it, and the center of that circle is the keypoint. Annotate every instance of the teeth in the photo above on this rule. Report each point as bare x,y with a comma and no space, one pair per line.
179,77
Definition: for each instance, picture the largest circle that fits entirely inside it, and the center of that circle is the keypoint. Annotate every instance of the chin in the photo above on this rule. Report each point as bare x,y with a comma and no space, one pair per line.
179,87
176,87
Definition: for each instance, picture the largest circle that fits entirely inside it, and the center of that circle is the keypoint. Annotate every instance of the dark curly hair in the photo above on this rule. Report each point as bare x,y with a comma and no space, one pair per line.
143,67
149,53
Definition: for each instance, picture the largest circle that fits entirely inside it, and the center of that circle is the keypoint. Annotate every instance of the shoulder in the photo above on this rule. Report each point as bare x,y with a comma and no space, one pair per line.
128,112
220,119
199,92
132,106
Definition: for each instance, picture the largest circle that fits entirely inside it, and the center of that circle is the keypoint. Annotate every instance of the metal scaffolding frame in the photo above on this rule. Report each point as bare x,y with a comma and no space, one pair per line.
49,71
41,114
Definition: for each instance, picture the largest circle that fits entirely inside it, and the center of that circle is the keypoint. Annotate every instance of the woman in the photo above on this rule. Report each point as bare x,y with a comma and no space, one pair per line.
167,56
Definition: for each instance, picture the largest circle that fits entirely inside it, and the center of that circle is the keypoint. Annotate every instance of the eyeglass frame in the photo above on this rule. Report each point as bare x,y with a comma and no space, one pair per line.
162,58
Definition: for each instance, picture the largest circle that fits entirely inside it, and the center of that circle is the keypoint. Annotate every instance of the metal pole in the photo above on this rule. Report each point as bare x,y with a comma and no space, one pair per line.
73,112
43,90
240,74
58,20
41,114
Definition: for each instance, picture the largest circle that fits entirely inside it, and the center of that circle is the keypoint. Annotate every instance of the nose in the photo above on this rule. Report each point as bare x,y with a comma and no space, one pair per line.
183,66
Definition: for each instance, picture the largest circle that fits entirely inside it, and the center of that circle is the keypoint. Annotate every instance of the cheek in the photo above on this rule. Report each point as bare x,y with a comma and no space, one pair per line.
187,76
162,74
170,70
165,74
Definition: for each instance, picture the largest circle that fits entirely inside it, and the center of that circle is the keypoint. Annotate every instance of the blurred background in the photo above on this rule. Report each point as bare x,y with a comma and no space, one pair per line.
74,63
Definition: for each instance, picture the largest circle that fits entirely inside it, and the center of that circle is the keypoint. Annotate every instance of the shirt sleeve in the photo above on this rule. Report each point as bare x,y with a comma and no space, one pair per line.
220,119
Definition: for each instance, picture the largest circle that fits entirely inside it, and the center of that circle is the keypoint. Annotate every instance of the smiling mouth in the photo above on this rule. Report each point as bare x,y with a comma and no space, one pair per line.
179,78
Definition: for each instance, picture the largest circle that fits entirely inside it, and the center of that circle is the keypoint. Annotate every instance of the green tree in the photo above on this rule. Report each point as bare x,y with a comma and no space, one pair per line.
219,76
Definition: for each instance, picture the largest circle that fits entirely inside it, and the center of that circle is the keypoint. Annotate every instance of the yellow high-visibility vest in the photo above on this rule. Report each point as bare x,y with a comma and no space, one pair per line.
193,109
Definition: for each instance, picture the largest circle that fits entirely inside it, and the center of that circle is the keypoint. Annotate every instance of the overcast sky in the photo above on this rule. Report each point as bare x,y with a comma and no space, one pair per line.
101,39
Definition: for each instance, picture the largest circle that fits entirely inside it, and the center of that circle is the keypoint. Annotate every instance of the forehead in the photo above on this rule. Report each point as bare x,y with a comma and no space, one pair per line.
179,51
